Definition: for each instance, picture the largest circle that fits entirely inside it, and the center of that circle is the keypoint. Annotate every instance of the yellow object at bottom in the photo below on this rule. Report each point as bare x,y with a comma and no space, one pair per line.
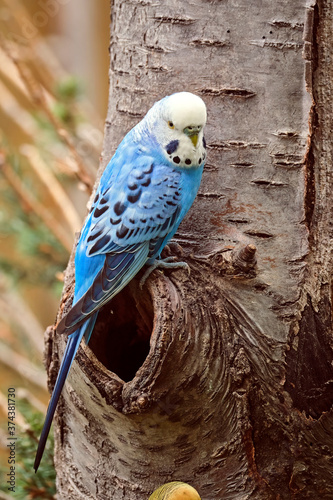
175,491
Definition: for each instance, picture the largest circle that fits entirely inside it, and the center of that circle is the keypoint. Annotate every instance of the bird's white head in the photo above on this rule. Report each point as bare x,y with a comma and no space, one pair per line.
177,122
185,111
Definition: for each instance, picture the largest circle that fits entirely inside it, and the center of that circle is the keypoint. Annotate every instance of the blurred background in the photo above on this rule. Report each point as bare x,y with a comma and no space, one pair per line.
53,99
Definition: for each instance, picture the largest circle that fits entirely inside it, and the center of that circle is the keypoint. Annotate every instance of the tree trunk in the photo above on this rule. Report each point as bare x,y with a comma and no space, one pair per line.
221,378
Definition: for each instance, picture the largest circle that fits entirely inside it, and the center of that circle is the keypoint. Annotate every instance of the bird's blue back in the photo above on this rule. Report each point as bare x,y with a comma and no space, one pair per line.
141,199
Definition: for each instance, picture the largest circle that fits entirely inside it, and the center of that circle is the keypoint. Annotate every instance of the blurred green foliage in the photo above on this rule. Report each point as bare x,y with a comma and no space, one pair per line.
67,92
38,255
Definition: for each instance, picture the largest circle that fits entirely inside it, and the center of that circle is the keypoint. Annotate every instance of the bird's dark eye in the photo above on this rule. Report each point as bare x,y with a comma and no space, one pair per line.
171,125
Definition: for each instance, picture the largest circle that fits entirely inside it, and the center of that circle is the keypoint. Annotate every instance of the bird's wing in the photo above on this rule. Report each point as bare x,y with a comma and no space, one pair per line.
128,224
135,209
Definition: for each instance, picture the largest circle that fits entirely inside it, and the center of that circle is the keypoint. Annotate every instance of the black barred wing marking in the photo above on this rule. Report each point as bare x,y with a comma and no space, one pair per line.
143,206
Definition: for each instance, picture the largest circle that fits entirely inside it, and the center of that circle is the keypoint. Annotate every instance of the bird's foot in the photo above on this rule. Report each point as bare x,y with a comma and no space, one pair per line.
167,263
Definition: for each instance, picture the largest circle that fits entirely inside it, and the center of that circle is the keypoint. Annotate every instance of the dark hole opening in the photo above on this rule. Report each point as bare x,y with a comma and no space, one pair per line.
122,332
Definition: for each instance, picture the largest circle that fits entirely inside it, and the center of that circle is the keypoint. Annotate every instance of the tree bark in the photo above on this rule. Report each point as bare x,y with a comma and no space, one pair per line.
221,378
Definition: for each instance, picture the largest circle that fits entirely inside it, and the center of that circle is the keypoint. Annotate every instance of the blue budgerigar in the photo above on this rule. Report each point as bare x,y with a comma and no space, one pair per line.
143,195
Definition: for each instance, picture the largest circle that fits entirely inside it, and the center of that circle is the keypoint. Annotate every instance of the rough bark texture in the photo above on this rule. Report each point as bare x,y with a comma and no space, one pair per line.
221,378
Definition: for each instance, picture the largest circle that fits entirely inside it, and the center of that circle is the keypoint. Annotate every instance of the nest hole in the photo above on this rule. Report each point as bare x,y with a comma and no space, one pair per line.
121,338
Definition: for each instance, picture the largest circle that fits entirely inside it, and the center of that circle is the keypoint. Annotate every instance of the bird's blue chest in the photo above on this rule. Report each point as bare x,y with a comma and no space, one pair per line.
189,185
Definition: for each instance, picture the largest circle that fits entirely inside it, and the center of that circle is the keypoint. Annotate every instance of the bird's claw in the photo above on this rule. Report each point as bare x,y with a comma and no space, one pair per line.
167,263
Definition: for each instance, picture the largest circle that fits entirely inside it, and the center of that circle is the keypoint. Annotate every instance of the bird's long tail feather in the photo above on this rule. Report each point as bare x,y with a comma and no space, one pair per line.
67,360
